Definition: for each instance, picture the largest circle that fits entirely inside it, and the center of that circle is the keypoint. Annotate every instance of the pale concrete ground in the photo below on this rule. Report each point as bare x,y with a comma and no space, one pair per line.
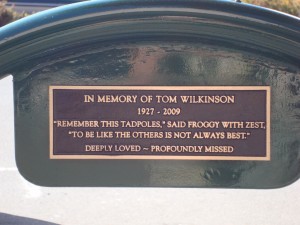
150,206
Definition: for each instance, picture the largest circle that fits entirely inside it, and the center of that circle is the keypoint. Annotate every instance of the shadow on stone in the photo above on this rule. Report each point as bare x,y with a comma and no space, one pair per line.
18,220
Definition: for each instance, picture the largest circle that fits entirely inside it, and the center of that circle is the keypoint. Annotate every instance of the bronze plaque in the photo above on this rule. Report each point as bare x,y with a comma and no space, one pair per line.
161,122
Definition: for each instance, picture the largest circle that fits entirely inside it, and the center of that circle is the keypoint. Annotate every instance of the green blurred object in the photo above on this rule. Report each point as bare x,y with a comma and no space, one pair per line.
288,6
8,14
154,43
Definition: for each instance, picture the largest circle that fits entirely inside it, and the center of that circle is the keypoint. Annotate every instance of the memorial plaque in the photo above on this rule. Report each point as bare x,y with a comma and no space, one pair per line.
187,123
173,93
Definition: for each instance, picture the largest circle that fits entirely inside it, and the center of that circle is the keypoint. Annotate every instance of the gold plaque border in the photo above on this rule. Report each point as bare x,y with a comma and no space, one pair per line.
159,157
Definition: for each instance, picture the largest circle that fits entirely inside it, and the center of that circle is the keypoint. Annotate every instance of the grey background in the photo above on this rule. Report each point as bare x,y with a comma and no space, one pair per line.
157,206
